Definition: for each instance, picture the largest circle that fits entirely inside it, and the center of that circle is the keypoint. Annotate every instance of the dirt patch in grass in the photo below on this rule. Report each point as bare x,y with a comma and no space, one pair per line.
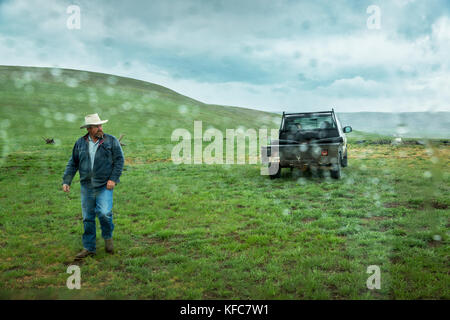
434,243
437,205
375,218
396,259
392,204
308,220
420,205
430,203
153,240
236,236
138,161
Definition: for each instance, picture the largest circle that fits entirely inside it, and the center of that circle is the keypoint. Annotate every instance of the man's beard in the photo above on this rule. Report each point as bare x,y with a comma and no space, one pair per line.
99,135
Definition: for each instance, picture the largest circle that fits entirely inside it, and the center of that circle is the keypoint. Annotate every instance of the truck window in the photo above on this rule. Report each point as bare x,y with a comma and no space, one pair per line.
309,122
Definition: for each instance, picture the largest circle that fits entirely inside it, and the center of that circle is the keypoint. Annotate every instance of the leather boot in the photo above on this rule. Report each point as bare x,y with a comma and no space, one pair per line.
109,246
83,254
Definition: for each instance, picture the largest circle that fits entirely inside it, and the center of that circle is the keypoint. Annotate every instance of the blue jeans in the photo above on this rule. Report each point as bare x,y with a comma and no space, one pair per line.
96,202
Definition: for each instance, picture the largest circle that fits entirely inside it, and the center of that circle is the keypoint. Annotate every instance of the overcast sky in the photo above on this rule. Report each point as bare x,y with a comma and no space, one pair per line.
269,55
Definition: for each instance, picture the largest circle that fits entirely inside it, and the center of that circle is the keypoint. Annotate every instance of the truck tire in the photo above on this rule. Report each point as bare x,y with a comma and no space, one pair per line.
345,160
276,174
336,174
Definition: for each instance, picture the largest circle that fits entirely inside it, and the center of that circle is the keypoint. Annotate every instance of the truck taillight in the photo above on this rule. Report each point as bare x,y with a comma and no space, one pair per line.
324,152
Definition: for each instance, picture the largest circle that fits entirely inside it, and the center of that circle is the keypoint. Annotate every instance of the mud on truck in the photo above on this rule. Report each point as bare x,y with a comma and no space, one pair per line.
313,140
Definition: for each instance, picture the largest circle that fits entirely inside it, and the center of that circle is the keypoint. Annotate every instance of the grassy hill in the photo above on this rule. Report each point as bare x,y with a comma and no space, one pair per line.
53,102
208,231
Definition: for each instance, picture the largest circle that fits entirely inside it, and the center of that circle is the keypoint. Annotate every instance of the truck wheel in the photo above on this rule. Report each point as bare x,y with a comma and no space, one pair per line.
336,173
345,160
276,174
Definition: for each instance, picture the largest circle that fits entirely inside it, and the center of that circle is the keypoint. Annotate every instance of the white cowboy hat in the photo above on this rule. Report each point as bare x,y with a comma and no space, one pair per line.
92,120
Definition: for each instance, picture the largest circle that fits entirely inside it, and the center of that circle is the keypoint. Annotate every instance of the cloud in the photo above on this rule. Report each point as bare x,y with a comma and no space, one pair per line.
357,85
261,54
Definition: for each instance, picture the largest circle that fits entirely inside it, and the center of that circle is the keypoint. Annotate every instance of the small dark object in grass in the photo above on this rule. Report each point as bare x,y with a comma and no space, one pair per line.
49,141
382,141
438,205
121,136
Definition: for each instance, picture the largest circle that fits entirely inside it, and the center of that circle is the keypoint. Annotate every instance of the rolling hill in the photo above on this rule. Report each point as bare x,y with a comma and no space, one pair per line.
53,102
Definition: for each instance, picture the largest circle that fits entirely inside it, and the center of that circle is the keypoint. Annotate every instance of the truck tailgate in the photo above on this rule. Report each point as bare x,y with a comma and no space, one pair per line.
307,151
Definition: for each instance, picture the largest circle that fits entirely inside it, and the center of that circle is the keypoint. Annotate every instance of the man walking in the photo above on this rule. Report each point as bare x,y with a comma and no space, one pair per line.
99,158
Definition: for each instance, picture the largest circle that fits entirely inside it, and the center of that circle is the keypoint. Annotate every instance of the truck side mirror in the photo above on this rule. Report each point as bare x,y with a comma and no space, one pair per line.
347,129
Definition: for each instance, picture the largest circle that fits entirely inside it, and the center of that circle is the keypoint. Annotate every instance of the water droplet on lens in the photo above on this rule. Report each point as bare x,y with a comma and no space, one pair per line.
55,72
437,237
71,82
5,123
109,91
126,106
70,117
112,80
182,109
58,116
48,123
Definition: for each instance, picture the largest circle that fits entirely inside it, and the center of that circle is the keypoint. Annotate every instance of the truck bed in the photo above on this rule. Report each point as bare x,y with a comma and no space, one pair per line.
290,153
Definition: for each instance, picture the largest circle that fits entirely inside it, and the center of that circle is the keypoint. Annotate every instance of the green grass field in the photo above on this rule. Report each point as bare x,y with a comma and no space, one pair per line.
208,231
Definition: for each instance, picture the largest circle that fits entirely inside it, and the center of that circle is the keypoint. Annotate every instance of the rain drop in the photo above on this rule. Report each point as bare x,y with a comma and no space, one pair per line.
126,106
112,80
71,82
109,91
58,116
48,123
55,72
350,181
70,117
402,130
182,109
5,123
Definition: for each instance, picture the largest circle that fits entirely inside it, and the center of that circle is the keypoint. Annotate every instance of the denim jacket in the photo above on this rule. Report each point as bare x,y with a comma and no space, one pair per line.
108,163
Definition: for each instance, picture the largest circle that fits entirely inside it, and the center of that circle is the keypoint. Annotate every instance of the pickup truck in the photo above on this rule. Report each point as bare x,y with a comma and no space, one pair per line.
309,139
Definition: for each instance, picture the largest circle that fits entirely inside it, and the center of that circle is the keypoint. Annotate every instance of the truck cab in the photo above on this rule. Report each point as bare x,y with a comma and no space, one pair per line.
309,139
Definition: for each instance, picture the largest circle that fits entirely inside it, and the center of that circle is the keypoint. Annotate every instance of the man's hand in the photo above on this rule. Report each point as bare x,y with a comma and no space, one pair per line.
66,188
110,185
